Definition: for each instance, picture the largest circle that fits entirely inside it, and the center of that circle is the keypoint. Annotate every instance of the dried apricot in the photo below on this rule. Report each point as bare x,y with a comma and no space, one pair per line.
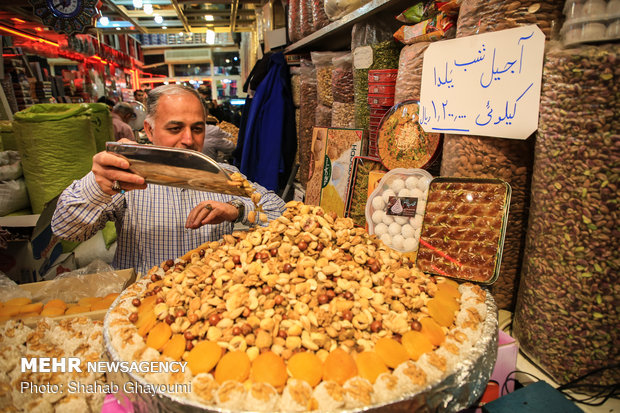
306,366
146,321
203,357
52,311
339,366
175,347
56,303
159,335
391,351
76,309
432,330
416,344
31,308
234,365
442,311
448,288
370,365
269,368
18,301
9,310
88,301
148,303
101,305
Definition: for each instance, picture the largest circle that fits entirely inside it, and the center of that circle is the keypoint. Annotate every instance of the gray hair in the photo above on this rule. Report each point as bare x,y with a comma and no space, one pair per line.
123,108
153,96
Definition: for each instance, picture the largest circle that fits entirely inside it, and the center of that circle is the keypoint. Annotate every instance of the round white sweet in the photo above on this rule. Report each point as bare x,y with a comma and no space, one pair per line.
388,219
411,182
407,231
421,206
410,244
416,193
397,241
423,184
397,184
394,229
377,216
416,223
381,229
417,232
401,220
387,239
404,193
387,194
378,203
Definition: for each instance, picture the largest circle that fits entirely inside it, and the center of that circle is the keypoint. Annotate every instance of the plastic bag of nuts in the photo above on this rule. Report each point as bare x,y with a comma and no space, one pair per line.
308,103
323,116
319,18
409,80
510,160
323,63
483,16
294,29
566,316
296,85
305,18
343,115
342,79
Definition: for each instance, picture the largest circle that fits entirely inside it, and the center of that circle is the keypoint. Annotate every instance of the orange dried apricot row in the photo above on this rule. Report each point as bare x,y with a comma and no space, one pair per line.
416,344
159,335
443,310
339,366
370,365
391,351
432,330
269,368
203,357
306,366
234,365
175,347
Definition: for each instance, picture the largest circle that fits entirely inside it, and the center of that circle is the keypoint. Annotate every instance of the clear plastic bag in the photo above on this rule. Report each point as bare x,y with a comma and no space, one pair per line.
308,102
483,16
294,28
296,85
305,18
409,79
342,79
343,115
336,9
323,63
323,116
319,18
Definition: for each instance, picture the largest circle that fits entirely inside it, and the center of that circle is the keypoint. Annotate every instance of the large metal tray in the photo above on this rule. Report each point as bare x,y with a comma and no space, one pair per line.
456,392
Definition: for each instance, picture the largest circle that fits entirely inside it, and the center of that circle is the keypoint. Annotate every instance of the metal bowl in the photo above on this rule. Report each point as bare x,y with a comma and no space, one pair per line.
455,392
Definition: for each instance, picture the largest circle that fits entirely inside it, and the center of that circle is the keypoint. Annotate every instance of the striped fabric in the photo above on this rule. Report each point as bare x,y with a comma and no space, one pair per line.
150,223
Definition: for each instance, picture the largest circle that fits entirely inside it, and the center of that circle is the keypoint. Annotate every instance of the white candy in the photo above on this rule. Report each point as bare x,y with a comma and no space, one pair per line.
423,184
421,206
417,232
377,216
378,203
417,222
387,194
410,244
388,219
394,228
407,231
416,193
401,220
397,184
387,239
381,229
404,193
411,182
397,241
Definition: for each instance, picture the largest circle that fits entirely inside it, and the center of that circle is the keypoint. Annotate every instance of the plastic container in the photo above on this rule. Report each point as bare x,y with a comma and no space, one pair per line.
573,9
382,76
464,227
395,209
594,8
381,89
386,100
613,30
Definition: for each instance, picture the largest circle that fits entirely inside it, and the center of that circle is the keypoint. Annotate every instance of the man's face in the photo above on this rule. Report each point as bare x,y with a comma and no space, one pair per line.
178,123
140,95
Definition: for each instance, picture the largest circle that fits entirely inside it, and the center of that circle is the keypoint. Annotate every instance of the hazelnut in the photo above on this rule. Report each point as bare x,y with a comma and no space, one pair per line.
273,252
169,319
170,263
323,298
282,334
136,302
347,315
180,313
416,326
279,299
133,317
348,295
287,268
246,329
159,300
189,345
320,247
236,259
214,319
201,252
375,268
302,245
188,335
193,318
375,326
155,277
267,289
331,294
236,330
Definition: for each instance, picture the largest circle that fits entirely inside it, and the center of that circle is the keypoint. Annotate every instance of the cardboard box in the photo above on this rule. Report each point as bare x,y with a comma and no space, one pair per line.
86,287
342,146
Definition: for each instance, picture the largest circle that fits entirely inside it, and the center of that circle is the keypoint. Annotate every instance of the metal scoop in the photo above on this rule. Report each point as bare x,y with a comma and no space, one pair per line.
182,168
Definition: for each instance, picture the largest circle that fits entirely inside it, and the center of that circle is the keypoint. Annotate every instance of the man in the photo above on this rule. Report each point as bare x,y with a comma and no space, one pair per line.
154,223
139,95
122,113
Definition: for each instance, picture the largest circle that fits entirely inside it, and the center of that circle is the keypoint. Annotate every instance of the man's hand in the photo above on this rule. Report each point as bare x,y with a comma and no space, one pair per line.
109,167
211,212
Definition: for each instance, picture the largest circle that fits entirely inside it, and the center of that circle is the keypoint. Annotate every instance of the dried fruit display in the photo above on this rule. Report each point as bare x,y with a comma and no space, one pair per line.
313,302
463,232
570,265
22,307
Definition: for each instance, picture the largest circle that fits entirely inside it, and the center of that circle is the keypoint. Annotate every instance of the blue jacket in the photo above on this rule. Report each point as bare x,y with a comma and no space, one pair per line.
267,140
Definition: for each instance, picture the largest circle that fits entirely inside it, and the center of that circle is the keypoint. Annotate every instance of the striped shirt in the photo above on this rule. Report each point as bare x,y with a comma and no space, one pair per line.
150,223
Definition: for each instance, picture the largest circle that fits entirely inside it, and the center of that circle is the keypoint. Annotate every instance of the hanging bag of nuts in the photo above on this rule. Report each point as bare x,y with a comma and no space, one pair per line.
343,109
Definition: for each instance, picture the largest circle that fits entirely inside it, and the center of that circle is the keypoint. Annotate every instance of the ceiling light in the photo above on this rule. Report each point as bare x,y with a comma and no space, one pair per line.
104,21
137,4
164,27
210,37
118,28
181,34
148,8
158,19
227,60
209,17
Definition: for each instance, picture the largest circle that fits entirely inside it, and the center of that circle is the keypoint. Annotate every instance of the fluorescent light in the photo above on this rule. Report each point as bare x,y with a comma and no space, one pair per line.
137,4
209,17
118,28
158,19
164,27
210,37
148,8
104,21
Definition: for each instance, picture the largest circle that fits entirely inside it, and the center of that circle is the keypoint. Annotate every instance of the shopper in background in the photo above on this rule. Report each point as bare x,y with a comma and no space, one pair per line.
218,144
154,222
122,113
107,101
139,95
